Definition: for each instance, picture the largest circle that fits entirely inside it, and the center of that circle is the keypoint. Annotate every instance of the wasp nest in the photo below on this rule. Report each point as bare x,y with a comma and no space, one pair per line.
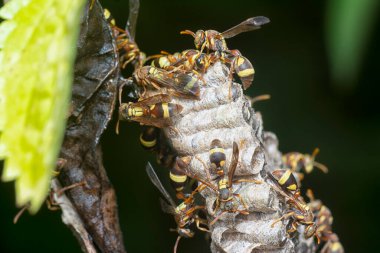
224,113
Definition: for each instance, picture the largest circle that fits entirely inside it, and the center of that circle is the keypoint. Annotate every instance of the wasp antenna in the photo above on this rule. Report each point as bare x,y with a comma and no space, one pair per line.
318,239
315,153
260,98
321,167
188,32
310,194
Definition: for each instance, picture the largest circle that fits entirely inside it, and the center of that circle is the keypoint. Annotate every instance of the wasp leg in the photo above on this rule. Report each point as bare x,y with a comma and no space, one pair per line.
285,216
205,167
69,187
52,205
199,221
217,218
176,244
247,181
19,213
127,62
241,200
213,212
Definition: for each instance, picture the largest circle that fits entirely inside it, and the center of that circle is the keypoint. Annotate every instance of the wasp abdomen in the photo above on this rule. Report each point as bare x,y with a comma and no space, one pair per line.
217,156
286,179
178,177
165,110
244,69
149,138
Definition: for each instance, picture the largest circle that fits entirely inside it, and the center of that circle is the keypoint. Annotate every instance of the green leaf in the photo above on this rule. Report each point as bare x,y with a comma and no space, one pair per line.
37,52
349,25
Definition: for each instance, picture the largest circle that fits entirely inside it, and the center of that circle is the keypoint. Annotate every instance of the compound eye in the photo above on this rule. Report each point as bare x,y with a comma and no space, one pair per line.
200,65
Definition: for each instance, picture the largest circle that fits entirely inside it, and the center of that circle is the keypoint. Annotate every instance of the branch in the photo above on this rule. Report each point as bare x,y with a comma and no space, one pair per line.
91,210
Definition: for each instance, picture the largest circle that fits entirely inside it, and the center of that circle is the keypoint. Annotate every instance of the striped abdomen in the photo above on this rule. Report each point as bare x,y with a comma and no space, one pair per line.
149,137
217,156
164,110
244,69
286,180
178,177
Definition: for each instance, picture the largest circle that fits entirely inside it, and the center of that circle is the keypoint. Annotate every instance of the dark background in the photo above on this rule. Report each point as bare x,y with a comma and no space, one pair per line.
308,109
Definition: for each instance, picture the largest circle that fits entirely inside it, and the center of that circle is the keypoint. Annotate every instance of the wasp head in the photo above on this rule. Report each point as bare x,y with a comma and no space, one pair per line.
185,232
199,39
310,230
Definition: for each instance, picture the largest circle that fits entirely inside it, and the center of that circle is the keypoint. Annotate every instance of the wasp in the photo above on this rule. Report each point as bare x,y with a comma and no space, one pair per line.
127,48
299,212
189,61
185,214
215,41
333,245
179,84
154,111
297,161
324,220
226,200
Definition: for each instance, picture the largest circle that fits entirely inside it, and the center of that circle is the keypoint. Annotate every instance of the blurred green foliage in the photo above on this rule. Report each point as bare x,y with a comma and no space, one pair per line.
291,61
37,55
349,26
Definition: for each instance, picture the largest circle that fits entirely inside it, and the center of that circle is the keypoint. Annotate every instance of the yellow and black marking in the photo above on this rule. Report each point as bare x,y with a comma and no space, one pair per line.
244,69
223,183
286,180
178,178
151,111
132,111
164,110
108,17
149,137
217,156
162,62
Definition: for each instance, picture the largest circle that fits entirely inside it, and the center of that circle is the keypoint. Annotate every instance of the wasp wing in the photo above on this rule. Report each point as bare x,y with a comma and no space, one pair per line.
246,26
134,6
191,174
166,208
159,98
156,181
159,123
181,83
233,164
